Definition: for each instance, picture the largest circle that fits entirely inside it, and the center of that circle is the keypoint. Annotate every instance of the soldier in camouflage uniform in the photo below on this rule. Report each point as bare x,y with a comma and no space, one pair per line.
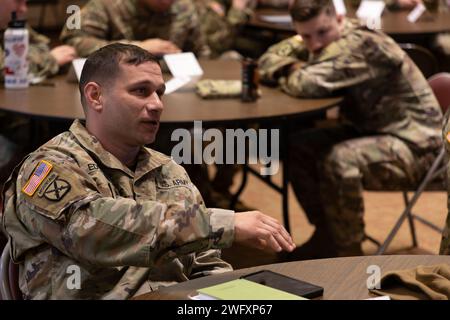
445,244
95,200
160,27
220,22
390,135
14,134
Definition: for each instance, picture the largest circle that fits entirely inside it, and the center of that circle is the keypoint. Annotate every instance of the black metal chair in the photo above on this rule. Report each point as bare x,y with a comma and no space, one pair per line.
9,277
422,57
440,83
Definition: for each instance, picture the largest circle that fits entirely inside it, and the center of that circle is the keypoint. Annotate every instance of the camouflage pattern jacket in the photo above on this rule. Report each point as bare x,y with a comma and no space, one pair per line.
107,21
41,62
73,207
385,92
445,244
220,30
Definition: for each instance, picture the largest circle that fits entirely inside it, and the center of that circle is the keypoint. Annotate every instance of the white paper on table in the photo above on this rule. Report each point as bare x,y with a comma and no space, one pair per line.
369,13
370,9
277,19
201,296
339,6
184,68
176,83
75,70
183,65
379,298
415,14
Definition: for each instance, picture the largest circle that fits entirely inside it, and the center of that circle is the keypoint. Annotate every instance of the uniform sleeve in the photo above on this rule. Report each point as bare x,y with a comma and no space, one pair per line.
41,61
68,211
223,39
186,30
274,63
95,22
445,243
208,263
344,64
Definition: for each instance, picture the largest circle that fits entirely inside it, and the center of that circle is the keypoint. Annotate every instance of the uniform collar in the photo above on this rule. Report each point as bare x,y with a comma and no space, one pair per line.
147,159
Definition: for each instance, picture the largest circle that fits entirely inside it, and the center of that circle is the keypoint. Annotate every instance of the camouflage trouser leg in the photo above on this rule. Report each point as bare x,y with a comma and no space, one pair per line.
306,148
374,163
445,243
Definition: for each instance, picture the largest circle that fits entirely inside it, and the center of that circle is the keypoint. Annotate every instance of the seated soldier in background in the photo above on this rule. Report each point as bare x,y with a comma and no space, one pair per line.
390,135
126,216
14,134
158,26
221,21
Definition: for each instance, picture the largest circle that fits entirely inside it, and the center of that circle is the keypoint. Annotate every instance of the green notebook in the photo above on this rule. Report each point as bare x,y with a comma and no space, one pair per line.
242,289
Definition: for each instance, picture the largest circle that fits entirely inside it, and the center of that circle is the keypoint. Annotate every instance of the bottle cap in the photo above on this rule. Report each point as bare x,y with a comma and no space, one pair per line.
14,23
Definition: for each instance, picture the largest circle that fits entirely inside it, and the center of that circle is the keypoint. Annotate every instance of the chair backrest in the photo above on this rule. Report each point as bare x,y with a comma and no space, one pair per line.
9,277
422,57
440,83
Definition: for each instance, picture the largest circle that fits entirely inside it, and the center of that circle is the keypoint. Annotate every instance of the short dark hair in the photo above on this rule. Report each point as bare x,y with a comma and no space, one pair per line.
103,65
304,10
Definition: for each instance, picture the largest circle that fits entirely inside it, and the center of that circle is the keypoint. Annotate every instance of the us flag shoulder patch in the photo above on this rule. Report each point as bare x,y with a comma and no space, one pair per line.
39,174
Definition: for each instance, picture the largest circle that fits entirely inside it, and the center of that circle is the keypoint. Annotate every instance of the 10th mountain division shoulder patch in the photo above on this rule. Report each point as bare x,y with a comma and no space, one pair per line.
56,190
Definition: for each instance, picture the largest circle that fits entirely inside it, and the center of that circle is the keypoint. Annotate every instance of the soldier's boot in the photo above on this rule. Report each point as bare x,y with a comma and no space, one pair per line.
319,246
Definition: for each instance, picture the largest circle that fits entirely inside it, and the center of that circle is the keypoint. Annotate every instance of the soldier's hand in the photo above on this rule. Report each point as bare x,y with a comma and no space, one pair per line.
258,230
63,54
159,47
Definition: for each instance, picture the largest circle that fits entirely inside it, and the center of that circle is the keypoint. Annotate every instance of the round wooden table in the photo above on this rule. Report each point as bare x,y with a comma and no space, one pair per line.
61,99
341,278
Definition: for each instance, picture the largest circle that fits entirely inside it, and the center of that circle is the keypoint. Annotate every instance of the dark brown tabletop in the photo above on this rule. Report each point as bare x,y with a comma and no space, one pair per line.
341,278
392,22
62,100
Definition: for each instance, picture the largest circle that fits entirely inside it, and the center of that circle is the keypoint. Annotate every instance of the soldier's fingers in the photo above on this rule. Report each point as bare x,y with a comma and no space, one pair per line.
267,236
275,227
285,244
281,230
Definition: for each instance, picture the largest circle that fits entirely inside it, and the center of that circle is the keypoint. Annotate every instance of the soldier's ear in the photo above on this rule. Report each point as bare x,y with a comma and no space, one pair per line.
93,96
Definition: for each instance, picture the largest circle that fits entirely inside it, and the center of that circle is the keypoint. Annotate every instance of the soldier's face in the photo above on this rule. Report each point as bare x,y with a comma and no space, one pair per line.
132,105
158,5
7,7
320,31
